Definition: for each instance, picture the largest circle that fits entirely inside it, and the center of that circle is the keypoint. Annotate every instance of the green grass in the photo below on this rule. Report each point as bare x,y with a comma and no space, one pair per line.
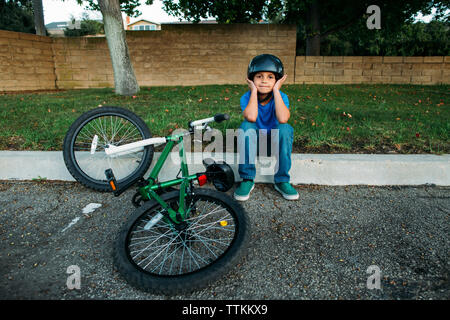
326,118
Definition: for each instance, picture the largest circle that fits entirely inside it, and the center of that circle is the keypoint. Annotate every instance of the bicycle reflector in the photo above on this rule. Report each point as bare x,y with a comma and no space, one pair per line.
202,179
221,175
111,179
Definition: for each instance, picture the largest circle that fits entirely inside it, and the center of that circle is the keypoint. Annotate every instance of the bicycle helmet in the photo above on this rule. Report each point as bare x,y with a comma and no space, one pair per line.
265,62
220,174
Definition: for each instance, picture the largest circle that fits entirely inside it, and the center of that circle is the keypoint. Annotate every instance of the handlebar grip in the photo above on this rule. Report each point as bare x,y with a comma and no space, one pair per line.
221,117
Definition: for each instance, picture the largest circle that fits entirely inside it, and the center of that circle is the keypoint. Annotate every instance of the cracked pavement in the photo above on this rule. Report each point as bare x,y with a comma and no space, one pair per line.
318,247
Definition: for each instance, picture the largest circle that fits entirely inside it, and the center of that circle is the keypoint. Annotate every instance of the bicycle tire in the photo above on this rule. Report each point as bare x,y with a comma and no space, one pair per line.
173,284
123,118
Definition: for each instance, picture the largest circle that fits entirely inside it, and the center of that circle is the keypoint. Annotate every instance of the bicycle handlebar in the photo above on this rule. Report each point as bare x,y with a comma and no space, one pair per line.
112,150
203,122
221,117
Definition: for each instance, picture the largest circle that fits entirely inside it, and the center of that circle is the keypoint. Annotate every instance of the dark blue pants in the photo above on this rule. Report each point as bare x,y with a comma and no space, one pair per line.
249,146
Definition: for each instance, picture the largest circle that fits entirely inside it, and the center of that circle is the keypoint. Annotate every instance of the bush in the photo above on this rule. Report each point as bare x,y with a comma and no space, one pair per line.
412,39
16,16
87,27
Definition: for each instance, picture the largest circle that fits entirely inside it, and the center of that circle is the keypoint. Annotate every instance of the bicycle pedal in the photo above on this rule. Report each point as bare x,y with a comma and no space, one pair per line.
111,179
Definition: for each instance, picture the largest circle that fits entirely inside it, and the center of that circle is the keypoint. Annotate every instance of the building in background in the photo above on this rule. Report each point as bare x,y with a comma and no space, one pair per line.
56,29
141,25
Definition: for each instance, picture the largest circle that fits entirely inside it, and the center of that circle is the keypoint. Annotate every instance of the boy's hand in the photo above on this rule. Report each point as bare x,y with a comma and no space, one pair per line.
279,83
251,85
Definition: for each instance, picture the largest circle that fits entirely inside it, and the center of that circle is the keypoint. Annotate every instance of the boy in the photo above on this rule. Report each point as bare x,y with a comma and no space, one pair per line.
265,108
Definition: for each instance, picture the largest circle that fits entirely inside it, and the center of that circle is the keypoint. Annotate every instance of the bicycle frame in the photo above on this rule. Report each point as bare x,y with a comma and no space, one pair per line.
148,191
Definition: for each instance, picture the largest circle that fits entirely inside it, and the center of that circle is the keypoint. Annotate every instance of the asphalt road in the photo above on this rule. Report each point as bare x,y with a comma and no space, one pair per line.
318,247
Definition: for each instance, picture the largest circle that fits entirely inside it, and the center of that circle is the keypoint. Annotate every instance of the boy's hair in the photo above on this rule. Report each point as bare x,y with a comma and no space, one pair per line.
255,73
265,62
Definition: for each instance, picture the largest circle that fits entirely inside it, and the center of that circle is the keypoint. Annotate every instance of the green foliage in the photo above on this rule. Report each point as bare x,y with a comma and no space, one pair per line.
421,39
225,11
353,118
17,15
412,39
129,7
87,27
343,28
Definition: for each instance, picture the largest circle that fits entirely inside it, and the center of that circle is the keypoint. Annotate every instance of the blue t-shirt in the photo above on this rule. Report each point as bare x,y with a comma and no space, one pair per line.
267,118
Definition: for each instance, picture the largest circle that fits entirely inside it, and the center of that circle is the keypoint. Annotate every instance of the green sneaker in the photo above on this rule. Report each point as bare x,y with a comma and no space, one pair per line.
288,191
242,193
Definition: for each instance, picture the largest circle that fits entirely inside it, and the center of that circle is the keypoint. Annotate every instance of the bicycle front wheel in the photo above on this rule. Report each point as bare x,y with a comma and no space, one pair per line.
172,259
91,133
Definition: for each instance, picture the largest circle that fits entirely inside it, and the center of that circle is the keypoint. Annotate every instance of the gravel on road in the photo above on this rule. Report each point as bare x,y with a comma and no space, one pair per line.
318,247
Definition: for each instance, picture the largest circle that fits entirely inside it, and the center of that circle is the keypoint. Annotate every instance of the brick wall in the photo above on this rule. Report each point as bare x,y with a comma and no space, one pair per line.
195,55
176,55
397,70
26,62
82,62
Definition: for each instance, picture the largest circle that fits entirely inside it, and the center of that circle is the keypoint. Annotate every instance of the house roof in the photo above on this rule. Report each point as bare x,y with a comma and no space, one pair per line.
57,25
61,25
130,24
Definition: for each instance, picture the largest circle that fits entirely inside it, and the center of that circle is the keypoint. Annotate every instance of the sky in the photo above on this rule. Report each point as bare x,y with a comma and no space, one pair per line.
58,10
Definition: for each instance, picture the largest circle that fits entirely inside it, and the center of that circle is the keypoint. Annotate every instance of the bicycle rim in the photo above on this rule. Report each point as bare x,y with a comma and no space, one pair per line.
167,250
110,129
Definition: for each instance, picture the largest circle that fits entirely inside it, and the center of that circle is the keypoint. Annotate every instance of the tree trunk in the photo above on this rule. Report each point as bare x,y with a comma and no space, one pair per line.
39,17
124,78
313,30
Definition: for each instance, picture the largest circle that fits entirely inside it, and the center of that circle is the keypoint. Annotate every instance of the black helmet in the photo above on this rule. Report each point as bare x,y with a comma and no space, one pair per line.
265,62
220,173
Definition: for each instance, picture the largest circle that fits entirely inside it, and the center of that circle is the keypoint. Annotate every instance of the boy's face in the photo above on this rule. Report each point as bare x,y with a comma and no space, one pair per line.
264,81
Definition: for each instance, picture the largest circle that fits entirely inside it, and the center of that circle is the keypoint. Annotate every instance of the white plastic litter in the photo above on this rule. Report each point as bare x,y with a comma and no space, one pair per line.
91,207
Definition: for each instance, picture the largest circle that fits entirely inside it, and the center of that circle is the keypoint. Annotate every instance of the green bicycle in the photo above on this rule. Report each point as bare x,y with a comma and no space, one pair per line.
177,240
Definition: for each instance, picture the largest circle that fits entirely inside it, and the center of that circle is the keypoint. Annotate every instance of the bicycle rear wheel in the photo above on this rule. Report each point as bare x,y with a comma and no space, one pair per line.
172,259
84,144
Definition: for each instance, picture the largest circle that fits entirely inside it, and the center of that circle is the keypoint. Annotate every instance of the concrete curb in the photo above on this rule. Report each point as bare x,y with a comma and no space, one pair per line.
321,169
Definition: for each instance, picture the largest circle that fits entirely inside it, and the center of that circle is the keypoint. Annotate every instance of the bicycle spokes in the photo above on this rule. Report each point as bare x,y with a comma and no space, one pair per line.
159,246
